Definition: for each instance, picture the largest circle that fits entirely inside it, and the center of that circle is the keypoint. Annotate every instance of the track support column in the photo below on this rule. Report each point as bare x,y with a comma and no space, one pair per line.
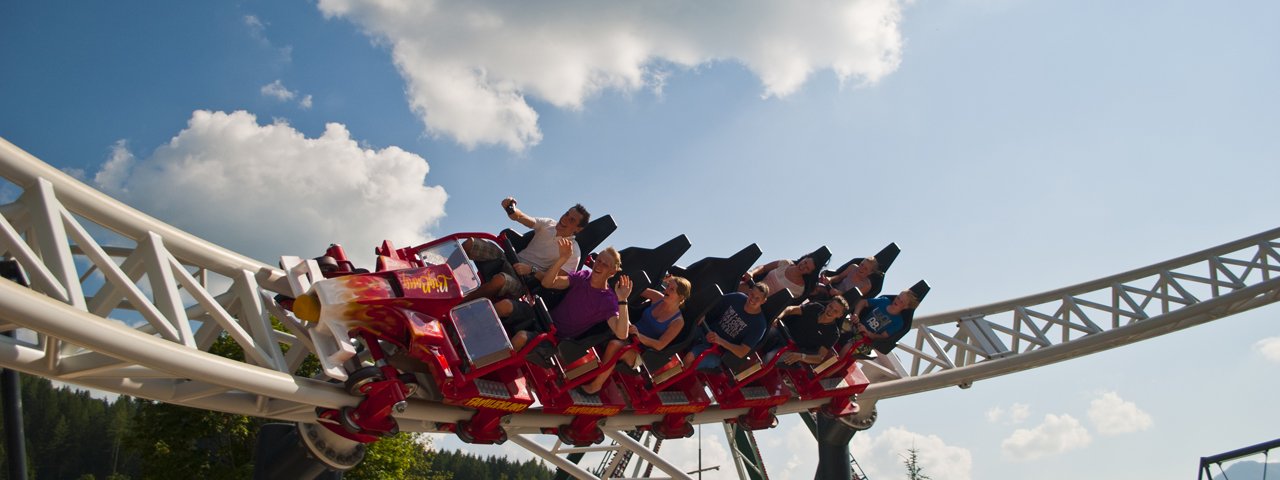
631,444
558,461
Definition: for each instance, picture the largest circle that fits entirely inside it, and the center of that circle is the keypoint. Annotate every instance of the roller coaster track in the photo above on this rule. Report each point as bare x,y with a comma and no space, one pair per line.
124,303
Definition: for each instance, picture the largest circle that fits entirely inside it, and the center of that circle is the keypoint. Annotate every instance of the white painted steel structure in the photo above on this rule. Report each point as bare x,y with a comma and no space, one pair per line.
124,303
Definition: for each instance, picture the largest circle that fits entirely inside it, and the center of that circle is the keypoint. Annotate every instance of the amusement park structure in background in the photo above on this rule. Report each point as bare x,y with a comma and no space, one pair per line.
121,302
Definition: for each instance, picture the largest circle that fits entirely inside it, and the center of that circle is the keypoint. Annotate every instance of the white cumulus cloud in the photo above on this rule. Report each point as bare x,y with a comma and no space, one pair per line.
789,451
1112,415
881,454
1057,434
1269,348
268,190
683,453
469,66
1015,414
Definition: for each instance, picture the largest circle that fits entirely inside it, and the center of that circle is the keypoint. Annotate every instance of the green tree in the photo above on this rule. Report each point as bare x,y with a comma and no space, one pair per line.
64,432
404,455
466,466
180,442
912,462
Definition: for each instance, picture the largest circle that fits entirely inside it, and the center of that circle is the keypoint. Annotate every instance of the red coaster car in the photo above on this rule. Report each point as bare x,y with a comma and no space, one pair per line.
748,383
558,367
557,378
664,385
839,378
408,317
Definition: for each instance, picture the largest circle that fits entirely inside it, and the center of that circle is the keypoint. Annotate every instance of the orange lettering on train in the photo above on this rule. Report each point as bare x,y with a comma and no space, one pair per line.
604,411
495,404
678,409
426,283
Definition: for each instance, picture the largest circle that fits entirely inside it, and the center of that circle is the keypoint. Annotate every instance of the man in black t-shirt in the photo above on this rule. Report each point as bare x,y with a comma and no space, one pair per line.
814,327
736,324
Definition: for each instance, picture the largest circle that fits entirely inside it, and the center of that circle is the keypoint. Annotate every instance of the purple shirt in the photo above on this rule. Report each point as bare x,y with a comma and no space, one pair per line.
583,306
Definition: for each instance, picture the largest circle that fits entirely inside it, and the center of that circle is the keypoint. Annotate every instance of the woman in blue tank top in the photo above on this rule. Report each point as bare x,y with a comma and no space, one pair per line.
661,322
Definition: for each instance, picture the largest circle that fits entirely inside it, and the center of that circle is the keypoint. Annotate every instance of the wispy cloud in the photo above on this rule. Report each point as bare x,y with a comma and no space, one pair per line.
278,91
1269,348
1057,434
1015,414
258,31
306,192
470,65
1112,415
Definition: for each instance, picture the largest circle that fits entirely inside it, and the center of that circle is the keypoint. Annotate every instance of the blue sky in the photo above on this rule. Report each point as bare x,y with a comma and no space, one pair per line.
1008,146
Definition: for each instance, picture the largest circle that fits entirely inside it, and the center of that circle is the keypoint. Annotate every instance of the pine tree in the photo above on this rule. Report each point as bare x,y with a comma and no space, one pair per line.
912,462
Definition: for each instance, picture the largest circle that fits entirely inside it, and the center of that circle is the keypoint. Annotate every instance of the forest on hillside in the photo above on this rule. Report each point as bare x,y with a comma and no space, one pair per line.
71,435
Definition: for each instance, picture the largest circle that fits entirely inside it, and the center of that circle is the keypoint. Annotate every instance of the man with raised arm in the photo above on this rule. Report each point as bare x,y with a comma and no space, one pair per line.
536,258
589,307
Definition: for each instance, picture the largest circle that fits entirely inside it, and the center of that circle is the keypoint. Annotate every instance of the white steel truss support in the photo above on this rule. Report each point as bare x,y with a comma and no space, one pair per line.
625,441
254,312
618,450
560,462
51,239
42,280
961,347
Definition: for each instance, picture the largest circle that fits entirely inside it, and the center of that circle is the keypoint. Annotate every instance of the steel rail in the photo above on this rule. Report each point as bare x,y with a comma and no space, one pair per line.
967,345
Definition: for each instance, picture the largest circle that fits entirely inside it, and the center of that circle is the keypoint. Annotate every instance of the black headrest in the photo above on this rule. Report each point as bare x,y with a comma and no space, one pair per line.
699,304
775,304
724,273
652,262
594,234
884,259
886,256
821,257
518,241
920,289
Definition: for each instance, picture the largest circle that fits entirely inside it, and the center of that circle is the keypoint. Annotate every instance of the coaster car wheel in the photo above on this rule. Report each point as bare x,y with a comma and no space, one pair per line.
360,378
463,433
863,419
345,419
410,384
